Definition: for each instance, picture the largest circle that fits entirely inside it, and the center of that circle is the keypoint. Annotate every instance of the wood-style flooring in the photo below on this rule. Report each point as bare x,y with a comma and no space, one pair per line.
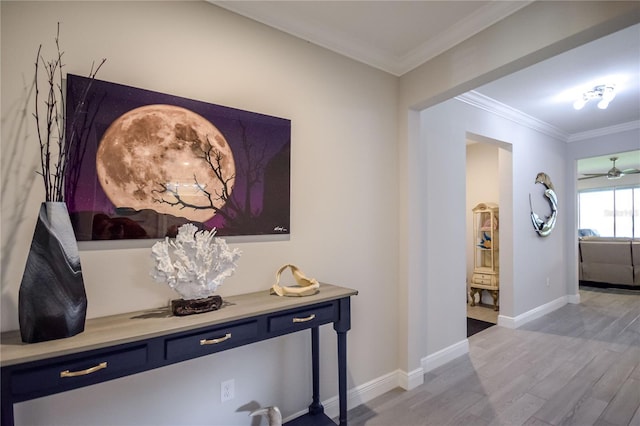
482,312
579,365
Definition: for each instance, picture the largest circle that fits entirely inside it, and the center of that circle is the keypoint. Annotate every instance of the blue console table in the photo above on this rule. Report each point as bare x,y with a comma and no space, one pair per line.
126,344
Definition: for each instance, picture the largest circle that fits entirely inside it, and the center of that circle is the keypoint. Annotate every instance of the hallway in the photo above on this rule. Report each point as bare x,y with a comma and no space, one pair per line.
579,365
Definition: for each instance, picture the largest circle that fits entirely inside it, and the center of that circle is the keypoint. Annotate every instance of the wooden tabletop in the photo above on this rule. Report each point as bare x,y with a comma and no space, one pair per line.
125,328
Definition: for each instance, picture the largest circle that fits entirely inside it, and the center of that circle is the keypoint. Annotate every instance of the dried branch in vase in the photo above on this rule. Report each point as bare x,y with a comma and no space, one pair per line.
55,146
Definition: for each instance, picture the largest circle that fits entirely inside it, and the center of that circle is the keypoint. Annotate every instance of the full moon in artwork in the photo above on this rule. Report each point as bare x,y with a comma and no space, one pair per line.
168,159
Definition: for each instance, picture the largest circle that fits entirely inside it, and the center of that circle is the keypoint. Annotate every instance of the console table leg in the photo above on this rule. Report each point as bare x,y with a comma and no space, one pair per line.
342,376
315,407
341,327
7,414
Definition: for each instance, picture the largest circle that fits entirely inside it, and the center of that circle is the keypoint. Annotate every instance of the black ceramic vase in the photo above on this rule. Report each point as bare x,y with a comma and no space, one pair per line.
52,302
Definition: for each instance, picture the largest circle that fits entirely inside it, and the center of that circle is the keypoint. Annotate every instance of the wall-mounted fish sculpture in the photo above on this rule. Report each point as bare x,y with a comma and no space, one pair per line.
544,227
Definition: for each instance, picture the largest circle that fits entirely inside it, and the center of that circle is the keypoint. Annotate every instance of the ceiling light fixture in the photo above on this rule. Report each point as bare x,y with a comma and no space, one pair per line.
605,93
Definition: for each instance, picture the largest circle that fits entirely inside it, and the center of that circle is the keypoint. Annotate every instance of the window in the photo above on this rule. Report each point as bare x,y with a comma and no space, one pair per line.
611,212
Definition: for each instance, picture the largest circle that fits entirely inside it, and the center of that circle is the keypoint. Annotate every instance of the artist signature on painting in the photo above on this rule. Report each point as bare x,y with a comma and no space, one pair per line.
279,229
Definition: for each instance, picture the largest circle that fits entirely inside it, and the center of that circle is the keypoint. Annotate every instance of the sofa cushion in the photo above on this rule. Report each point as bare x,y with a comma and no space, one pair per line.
606,252
608,273
635,256
607,261
635,252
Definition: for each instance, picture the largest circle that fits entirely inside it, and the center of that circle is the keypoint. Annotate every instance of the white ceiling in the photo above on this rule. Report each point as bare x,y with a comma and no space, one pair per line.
397,36
548,89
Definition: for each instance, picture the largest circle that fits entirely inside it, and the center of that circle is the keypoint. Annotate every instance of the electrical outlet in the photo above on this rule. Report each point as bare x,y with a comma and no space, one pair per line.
548,284
227,390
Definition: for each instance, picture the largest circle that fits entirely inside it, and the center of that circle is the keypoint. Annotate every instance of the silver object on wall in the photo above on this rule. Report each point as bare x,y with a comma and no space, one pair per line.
544,227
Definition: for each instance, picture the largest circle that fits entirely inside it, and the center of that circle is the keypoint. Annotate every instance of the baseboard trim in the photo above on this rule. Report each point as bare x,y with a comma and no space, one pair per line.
535,313
573,299
411,380
360,394
443,356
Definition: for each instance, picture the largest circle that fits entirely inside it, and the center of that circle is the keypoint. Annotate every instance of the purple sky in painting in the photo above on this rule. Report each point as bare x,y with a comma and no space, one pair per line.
107,101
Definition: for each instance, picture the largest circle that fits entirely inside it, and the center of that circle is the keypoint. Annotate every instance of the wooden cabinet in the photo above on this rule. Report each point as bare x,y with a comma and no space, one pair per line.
486,239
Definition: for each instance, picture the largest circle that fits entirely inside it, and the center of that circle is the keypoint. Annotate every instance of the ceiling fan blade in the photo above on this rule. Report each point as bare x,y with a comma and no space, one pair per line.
592,175
613,173
630,171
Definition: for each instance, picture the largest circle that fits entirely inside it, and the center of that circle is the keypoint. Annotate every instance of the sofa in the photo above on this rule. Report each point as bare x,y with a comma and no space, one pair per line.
610,260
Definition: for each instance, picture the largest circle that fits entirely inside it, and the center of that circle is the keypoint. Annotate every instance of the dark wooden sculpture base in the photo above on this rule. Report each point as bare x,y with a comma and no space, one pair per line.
181,307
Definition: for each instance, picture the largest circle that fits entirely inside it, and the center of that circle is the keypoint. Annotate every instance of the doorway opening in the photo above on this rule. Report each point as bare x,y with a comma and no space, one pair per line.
488,183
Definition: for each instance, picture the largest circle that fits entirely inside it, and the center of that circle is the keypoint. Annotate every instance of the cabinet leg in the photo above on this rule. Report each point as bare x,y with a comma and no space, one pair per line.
494,294
472,293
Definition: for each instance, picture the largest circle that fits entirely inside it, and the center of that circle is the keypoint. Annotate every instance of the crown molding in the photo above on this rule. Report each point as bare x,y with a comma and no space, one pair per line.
618,128
329,39
488,104
366,53
462,30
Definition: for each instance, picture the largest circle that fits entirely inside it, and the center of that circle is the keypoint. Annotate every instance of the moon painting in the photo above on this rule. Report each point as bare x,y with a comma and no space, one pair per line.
154,157
143,163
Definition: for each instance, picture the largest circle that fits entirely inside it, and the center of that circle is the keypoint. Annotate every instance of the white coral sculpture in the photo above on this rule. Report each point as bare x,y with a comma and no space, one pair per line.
195,264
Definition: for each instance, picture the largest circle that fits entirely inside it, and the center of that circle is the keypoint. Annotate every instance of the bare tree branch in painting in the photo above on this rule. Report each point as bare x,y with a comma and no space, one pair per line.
237,215
169,194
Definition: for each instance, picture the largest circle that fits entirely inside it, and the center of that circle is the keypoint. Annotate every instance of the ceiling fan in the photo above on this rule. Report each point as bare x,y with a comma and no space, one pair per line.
613,173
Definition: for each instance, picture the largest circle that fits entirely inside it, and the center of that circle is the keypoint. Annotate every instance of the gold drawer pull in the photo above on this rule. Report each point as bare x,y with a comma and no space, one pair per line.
98,367
309,318
214,341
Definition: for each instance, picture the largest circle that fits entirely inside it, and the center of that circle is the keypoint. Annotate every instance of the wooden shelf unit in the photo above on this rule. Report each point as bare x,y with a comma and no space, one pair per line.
486,239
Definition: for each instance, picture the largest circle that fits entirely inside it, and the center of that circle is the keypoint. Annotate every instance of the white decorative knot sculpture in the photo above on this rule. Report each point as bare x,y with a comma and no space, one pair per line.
195,264
273,415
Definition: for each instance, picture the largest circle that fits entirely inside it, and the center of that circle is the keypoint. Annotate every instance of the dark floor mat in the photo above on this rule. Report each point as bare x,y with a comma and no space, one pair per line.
475,326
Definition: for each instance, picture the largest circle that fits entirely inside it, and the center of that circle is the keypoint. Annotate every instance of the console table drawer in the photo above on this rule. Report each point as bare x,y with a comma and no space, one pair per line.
302,319
78,372
209,341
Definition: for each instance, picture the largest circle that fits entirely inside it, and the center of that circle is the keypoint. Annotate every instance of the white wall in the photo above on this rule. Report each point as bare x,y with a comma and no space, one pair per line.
445,129
343,205
444,214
